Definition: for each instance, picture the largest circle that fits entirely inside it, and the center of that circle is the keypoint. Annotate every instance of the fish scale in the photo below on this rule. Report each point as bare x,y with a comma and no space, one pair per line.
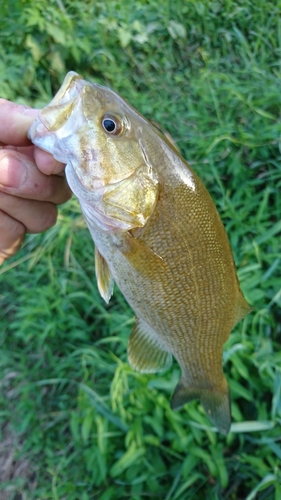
157,234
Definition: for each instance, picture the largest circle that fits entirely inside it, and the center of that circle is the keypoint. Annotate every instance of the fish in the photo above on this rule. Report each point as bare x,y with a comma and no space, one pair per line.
157,235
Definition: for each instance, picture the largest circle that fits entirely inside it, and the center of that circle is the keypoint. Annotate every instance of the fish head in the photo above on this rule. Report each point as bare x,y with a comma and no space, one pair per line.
100,138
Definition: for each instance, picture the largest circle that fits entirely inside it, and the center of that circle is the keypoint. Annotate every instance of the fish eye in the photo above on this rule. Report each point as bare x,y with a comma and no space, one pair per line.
111,124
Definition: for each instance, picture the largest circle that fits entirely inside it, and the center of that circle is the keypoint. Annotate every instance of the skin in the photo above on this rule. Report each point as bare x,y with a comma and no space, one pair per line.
32,182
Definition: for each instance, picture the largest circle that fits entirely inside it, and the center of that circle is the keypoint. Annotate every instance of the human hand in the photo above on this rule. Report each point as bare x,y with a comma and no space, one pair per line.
32,182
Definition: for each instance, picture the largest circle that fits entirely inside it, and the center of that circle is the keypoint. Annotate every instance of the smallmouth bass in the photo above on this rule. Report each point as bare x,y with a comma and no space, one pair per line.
157,234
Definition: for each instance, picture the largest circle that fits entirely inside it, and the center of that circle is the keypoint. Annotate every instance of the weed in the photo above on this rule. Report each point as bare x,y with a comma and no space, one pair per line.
91,427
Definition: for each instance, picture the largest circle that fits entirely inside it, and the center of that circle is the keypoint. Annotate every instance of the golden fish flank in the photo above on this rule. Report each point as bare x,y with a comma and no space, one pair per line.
157,234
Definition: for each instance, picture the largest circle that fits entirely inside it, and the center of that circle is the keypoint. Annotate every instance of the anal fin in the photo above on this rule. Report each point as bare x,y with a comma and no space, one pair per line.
216,402
147,352
103,275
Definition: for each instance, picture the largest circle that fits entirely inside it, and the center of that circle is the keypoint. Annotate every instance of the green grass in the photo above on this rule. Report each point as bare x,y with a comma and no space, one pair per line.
87,425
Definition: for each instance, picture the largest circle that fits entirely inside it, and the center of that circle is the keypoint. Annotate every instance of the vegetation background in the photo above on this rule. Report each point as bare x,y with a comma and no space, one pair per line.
77,422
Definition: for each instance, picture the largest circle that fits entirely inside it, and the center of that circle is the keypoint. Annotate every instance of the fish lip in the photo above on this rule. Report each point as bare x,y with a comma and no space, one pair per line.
73,92
74,88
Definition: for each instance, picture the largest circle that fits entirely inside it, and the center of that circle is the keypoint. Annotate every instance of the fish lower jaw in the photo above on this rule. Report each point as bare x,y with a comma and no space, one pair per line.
45,140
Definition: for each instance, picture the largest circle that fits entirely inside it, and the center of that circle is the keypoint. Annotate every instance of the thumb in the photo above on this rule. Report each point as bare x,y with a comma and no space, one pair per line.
15,120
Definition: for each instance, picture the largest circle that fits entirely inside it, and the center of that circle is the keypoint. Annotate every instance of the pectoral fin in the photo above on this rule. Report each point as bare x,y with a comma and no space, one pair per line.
215,402
147,352
103,275
141,257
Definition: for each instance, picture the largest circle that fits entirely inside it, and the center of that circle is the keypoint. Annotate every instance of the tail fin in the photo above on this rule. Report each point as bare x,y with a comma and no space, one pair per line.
215,402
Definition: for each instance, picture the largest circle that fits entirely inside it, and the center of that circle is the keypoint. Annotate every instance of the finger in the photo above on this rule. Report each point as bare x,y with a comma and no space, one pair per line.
25,150
15,122
11,236
36,216
20,176
47,163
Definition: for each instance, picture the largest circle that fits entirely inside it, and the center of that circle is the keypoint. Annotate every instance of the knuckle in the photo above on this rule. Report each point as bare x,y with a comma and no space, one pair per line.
56,190
20,230
10,228
46,217
12,233
65,194
48,189
50,217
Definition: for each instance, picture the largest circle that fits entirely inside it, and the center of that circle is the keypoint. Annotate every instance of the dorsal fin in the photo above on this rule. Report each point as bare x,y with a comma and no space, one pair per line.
147,352
103,275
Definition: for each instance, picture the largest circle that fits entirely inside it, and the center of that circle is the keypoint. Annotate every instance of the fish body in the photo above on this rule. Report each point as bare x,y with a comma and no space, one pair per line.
157,234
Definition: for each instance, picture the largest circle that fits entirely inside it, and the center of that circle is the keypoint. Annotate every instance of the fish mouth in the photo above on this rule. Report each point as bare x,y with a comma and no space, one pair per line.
56,130
49,119
69,97
70,88
59,112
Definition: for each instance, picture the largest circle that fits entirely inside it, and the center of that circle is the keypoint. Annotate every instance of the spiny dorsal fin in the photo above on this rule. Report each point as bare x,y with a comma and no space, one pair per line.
147,352
103,275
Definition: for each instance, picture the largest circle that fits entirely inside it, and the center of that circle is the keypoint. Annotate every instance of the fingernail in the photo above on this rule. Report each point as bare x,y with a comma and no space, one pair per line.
12,172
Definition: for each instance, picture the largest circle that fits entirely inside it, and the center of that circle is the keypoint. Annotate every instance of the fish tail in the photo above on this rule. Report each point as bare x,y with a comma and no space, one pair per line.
215,401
